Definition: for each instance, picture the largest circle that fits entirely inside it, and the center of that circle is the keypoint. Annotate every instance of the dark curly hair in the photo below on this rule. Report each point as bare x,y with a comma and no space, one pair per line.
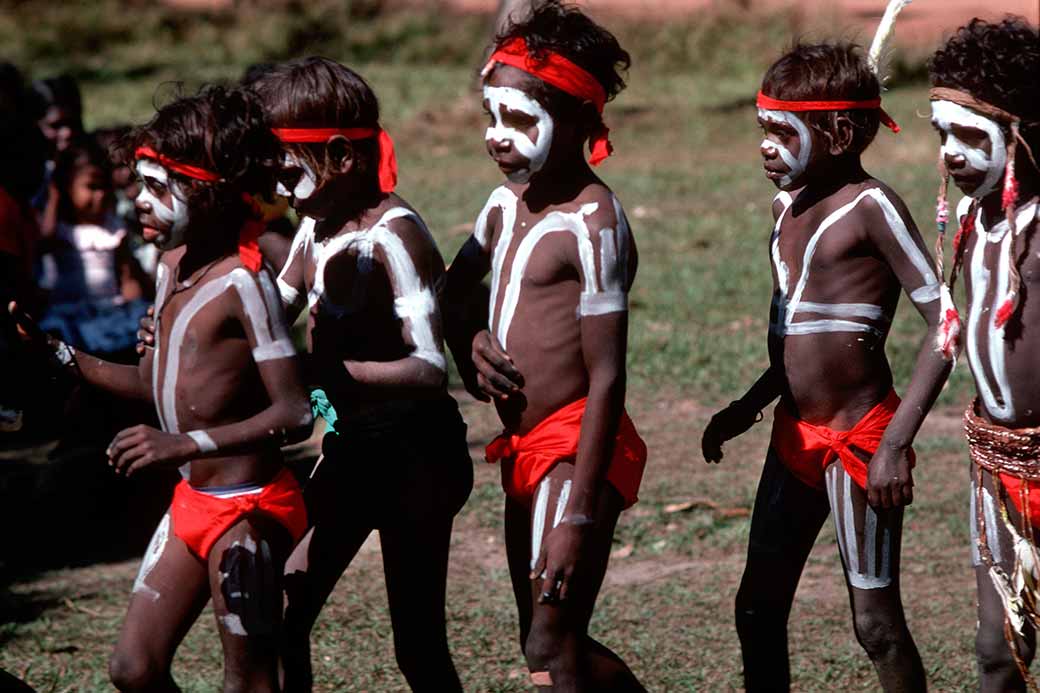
998,63
828,72
321,93
556,27
223,130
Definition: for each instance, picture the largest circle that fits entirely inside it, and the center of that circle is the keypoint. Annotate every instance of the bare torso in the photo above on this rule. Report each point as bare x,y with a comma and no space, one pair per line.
204,371
548,269
835,294
1004,361
370,294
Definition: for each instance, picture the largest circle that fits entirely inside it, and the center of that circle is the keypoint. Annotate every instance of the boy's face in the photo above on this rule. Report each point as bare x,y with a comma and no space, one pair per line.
298,182
161,206
520,133
787,148
973,148
90,193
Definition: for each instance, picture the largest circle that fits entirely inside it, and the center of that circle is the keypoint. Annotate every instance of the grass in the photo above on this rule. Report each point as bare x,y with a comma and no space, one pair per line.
687,171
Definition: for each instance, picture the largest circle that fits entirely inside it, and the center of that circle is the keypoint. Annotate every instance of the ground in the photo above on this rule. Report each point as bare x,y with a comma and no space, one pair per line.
687,171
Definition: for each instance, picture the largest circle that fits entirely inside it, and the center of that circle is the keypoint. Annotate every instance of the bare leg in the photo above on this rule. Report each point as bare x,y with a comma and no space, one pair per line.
311,573
170,592
869,541
245,573
787,518
560,654
997,669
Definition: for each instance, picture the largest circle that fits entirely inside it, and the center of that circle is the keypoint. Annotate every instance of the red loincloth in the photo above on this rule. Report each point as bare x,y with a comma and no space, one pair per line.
1012,454
200,519
527,459
806,450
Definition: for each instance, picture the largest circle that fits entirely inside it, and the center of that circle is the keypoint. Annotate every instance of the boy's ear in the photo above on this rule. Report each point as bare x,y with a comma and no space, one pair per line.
340,154
840,137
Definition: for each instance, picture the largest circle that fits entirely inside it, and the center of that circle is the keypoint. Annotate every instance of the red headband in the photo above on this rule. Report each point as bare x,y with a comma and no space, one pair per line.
564,75
196,172
768,102
248,248
387,157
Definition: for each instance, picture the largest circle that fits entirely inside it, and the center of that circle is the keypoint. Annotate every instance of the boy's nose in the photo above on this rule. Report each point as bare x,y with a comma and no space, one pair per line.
954,162
768,150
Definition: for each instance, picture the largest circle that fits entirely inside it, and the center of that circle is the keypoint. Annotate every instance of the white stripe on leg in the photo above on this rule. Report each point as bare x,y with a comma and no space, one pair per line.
541,502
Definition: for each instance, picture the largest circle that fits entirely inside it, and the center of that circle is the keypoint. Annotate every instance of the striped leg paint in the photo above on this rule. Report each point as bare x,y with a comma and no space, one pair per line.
864,537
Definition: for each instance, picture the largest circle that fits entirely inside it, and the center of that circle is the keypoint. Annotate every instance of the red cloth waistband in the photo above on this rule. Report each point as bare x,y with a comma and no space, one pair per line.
769,103
528,458
387,155
806,449
566,76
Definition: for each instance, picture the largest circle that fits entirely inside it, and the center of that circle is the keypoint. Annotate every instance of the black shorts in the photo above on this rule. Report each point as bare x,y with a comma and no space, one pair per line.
405,461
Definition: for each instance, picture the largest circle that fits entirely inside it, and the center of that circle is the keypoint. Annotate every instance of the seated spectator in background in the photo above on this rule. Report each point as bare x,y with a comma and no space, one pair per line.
96,287
23,152
127,187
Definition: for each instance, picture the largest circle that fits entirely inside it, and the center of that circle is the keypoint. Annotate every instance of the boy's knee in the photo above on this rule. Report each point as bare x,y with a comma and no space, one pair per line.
134,672
877,634
754,613
542,648
992,649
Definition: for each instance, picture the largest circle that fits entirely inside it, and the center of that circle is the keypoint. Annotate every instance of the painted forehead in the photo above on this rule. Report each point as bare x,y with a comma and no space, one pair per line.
510,77
146,168
947,113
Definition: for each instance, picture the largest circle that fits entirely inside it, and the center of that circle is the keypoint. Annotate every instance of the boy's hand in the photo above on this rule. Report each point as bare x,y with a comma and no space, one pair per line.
725,425
146,333
59,352
496,374
889,481
140,446
561,553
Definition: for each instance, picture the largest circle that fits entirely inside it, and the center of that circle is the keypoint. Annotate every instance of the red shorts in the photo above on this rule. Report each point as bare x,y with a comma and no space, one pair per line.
806,450
528,458
201,518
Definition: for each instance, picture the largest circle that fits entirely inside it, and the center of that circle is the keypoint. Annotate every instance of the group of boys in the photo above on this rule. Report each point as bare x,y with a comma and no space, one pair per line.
222,370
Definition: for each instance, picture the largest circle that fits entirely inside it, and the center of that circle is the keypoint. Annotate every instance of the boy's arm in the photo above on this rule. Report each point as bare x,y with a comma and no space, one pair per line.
408,254
891,228
286,419
292,287
129,382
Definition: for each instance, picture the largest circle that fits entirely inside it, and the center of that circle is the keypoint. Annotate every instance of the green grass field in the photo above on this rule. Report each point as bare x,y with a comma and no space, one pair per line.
687,170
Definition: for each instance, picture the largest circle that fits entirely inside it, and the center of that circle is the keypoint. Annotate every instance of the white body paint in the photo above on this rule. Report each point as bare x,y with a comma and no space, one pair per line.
413,301
603,291
867,574
515,100
541,510
946,114
155,549
203,440
262,311
796,165
989,510
307,184
789,303
177,216
982,315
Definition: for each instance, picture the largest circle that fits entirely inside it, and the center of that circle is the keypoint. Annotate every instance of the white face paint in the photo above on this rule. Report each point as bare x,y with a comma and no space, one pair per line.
946,114
536,152
176,218
795,165
307,184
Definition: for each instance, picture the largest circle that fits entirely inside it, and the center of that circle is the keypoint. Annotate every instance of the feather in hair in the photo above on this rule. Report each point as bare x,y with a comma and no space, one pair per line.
883,34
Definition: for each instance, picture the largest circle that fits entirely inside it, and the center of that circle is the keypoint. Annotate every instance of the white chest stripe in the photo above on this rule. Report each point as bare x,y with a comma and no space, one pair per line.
289,294
269,343
789,304
996,394
162,280
413,301
503,199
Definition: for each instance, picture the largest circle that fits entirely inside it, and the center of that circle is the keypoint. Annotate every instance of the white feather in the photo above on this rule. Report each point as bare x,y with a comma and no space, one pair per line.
884,33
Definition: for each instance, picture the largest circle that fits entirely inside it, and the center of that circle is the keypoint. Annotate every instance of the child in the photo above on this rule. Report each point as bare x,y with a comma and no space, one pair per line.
90,270
225,386
986,107
59,111
842,248
562,259
366,268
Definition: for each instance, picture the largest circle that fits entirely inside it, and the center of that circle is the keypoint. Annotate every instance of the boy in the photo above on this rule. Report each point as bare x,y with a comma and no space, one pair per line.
226,390
986,108
562,259
842,248
366,268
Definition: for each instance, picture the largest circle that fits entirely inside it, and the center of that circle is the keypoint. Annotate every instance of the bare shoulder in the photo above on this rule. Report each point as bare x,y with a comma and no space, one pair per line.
403,223
601,208
781,201
884,196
